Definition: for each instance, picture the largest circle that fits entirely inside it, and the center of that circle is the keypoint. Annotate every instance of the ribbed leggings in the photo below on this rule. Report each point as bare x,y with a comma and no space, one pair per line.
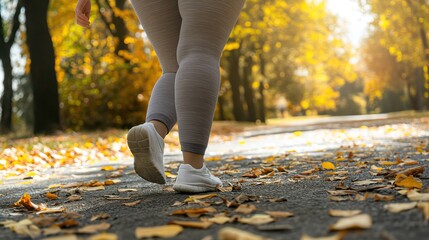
188,37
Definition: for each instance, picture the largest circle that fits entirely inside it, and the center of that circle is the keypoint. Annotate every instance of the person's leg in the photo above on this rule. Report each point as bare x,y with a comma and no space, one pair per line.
206,26
161,21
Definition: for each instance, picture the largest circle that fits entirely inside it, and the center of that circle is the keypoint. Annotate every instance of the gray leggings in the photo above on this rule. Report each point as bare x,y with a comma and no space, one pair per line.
188,37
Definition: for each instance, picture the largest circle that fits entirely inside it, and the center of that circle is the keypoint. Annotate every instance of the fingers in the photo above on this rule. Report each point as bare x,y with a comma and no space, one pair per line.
82,12
82,20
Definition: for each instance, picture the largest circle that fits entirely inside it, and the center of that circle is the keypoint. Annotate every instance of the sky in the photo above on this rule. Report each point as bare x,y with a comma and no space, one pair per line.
354,19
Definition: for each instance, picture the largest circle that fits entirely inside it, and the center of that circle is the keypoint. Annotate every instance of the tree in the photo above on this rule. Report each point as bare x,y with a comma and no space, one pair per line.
402,28
5,47
42,67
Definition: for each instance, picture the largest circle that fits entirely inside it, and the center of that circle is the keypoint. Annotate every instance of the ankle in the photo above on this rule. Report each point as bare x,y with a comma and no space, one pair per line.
193,159
160,128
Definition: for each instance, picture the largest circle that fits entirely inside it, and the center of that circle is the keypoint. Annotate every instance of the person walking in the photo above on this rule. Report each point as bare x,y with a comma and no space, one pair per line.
188,37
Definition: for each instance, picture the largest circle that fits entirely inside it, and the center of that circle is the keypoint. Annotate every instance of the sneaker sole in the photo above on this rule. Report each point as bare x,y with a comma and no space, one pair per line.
139,144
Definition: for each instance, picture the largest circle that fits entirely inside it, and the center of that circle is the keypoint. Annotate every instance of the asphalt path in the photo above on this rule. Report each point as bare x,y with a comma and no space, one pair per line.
295,149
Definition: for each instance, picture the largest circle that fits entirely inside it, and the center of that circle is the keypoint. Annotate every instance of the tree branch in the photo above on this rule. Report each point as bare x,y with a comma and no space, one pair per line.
104,19
15,24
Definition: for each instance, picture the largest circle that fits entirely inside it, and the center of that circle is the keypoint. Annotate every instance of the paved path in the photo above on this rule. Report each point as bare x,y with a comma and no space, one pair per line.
358,148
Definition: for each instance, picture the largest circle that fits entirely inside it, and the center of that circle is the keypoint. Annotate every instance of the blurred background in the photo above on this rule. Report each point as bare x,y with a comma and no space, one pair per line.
283,59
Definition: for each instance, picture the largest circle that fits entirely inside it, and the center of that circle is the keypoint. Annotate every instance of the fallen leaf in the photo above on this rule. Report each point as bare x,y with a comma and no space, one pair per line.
413,195
24,227
343,213
254,173
219,219
104,236
311,171
127,190
362,221
381,197
68,223
94,228
229,233
107,168
52,230
25,201
109,182
339,198
63,237
341,192
131,204
94,188
257,219
274,227
116,197
100,216
336,178
51,196
166,231
279,214
328,166
193,198
280,199
194,212
425,209
364,182
200,225
245,208
73,198
338,236
52,210
399,207
402,180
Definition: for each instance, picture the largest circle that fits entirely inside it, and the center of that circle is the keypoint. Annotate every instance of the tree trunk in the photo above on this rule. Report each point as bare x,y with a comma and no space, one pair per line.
5,46
221,104
248,91
6,100
234,79
419,85
42,67
261,102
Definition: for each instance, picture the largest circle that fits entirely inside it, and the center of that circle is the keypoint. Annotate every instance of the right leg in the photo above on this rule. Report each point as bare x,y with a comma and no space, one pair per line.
161,21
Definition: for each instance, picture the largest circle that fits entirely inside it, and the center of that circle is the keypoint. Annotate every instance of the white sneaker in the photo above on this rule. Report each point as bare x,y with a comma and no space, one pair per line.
147,147
192,180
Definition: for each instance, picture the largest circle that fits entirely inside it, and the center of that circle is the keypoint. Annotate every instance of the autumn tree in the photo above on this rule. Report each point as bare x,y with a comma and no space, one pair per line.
401,27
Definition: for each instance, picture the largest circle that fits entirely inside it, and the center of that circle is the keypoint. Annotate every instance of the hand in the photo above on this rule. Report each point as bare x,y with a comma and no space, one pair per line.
82,12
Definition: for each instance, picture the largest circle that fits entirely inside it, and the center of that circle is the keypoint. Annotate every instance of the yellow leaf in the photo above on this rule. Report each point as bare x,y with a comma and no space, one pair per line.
166,231
408,181
51,195
328,166
104,236
107,168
